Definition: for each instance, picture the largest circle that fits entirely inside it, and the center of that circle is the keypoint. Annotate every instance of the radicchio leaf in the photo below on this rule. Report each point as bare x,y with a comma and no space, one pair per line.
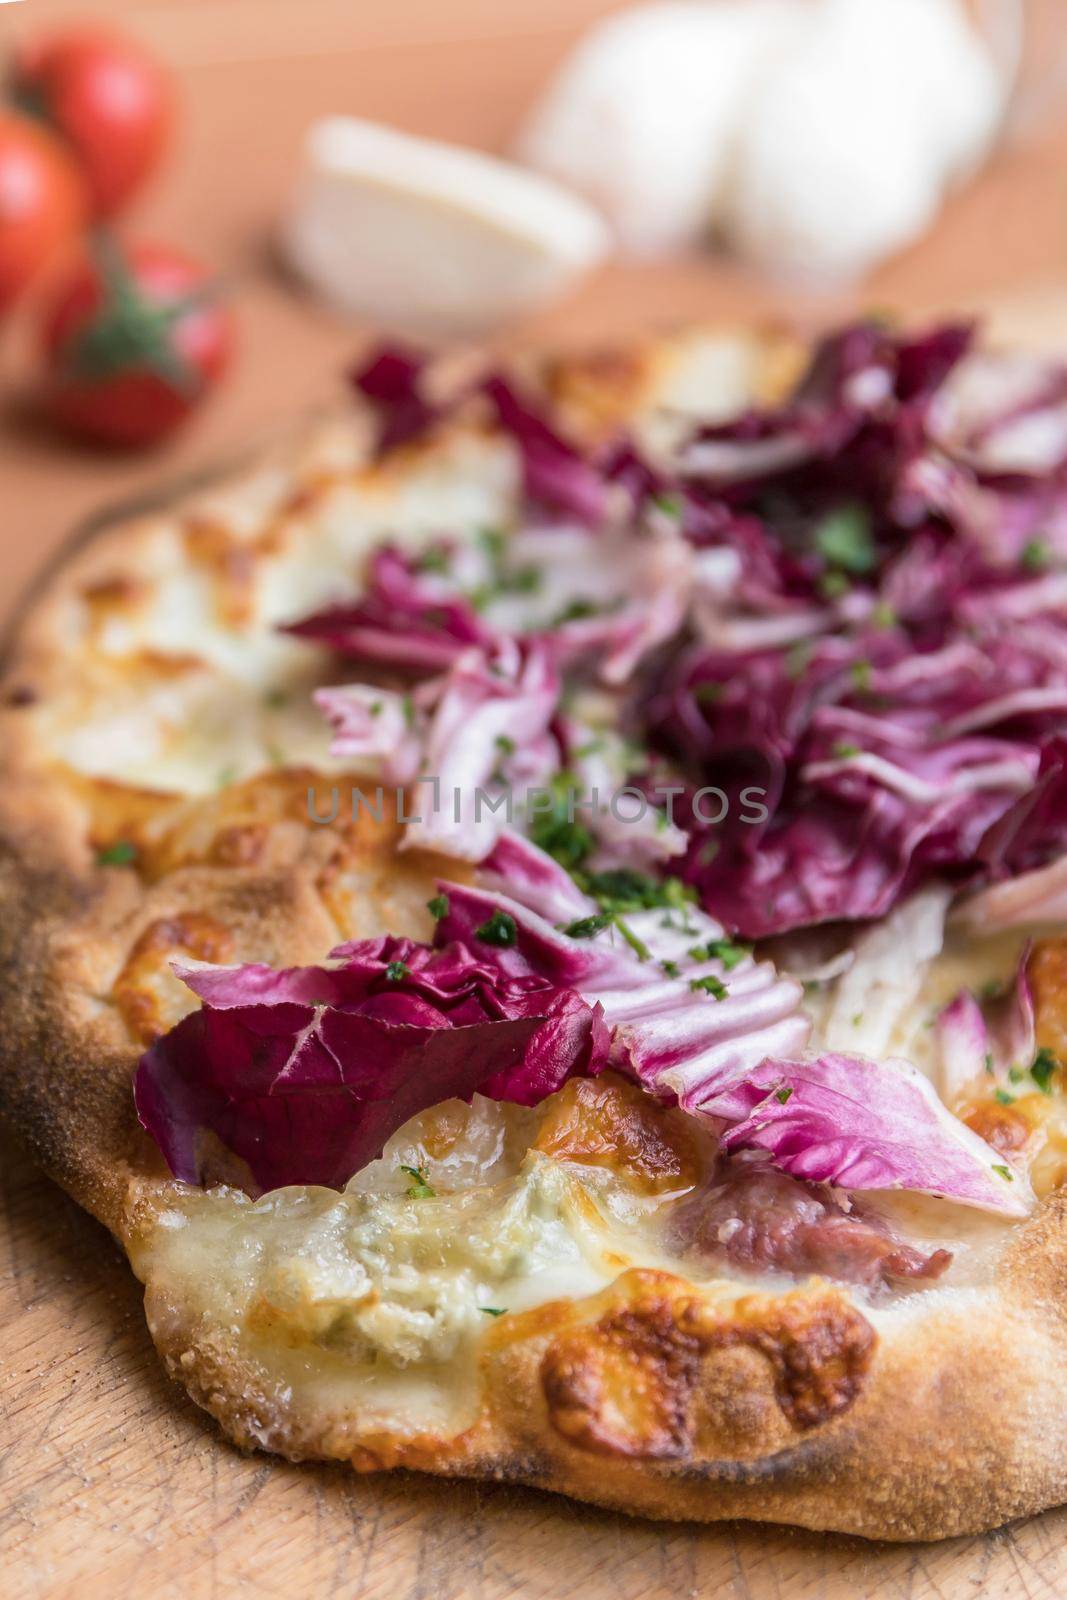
688,1010
555,472
1033,897
405,620
866,552
391,380
883,764
859,1124
992,1039
890,962
481,726
302,1075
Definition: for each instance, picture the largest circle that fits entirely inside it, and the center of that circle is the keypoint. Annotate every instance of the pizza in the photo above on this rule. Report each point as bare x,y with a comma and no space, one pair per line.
536,911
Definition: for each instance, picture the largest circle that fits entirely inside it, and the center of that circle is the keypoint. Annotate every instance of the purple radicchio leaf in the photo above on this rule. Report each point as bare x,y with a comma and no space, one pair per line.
991,1038
859,1124
696,1026
392,380
405,620
556,474
301,1076
465,736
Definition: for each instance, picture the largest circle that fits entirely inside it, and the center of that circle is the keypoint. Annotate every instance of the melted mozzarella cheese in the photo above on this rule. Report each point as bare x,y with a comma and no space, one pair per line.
378,1296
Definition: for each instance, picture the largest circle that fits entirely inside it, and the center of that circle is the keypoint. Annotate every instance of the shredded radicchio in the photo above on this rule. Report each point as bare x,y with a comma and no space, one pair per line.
852,601
879,642
698,1022
303,1074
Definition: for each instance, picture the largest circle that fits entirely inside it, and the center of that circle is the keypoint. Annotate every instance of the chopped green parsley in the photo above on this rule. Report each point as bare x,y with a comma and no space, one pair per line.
832,585
709,985
575,611
1034,555
589,927
638,946
557,831
724,950
1044,1066
119,854
844,539
500,930
436,559
418,1189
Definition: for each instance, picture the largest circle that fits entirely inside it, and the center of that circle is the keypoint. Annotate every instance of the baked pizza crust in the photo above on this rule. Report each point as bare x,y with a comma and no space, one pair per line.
940,1414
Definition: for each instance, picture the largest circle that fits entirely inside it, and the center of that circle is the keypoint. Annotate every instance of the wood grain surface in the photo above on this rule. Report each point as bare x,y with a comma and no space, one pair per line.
111,1483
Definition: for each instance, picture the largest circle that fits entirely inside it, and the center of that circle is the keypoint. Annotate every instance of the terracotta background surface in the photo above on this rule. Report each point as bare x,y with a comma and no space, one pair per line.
255,72
111,1484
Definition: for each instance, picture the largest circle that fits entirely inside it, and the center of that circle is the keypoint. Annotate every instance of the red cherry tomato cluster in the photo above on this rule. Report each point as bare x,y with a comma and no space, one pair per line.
133,338
107,99
133,341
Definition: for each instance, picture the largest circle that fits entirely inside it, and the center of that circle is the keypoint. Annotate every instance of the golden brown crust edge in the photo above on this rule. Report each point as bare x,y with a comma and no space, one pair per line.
956,1431
957,1425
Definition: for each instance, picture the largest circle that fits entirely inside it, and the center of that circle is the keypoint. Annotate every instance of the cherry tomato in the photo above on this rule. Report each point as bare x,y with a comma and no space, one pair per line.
134,342
42,203
107,98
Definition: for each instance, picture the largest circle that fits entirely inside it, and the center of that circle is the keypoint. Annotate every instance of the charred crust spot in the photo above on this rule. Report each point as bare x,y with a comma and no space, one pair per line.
605,1122
308,495
232,828
301,501
165,663
622,1387
628,1384
236,827
119,814
820,1351
117,593
136,989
